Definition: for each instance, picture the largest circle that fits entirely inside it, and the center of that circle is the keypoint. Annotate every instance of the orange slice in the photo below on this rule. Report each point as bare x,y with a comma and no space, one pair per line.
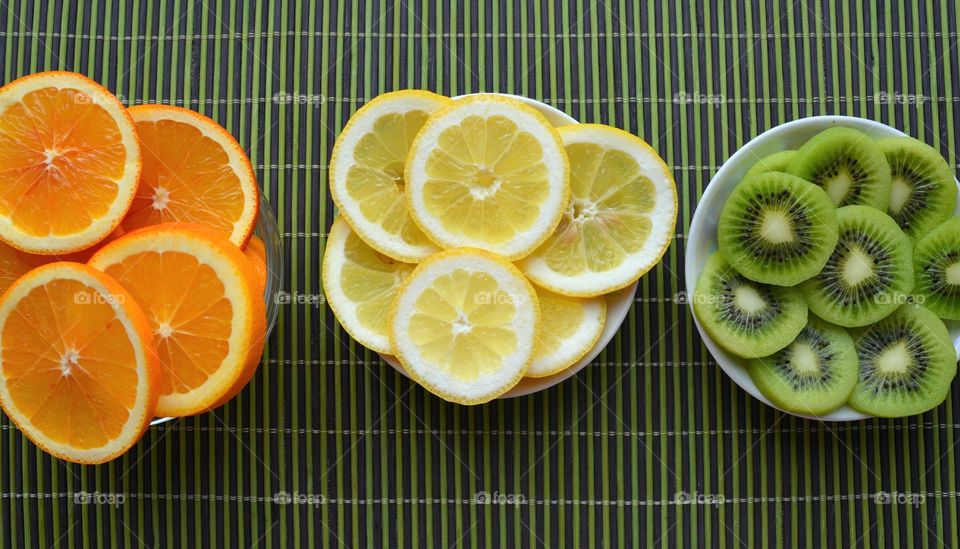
193,171
206,313
69,162
78,371
256,253
14,264
84,255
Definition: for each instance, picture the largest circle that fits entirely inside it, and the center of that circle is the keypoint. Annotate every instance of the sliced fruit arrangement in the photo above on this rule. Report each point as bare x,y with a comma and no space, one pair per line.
906,366
109,314
569,328
464,325
777,228
936,263
747,318
613,229
848,165
814,374
923,191
868,274
367,172
193,171
360,284
860,232
70,159
449,209
79,371
488,172
202,298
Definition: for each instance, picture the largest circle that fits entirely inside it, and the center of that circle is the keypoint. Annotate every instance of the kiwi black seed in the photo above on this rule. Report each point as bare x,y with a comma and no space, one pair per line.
848,165
746,318
777,228
814,374
936,263
776,162
906,366
923,191
869,273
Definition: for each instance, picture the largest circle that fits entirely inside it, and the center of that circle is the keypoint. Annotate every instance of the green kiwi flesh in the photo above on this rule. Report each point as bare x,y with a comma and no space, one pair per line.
937,269
776,162
814,374
906,366
746,318
869,273
777,229
848,165
923,191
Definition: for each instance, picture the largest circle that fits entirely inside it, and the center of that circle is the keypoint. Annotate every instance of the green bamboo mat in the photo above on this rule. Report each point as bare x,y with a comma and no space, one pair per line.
651,444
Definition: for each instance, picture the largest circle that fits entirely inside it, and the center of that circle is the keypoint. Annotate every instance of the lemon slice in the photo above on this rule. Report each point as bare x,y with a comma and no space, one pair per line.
464,325
620,220
359,284
488,172
569,328
366,172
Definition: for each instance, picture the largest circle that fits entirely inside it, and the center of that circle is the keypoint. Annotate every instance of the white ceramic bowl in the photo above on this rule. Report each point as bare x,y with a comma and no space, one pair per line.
618,303
702,240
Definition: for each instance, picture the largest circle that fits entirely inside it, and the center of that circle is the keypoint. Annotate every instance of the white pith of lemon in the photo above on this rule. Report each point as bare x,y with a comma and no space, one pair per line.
621,216
367,172
569,328
488,172
464,325
359,284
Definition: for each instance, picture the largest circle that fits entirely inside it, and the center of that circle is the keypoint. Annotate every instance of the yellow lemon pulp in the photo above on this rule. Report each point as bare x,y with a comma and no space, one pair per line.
367,172
486,179
370,280
620,219
462,324
375,181
570,327
606,219
488,172
360,283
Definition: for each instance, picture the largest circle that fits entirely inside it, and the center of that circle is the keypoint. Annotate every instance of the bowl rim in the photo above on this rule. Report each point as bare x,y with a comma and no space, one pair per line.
713,197
618,302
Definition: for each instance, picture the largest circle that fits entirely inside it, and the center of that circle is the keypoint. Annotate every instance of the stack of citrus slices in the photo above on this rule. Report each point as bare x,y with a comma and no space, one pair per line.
132,285
475,241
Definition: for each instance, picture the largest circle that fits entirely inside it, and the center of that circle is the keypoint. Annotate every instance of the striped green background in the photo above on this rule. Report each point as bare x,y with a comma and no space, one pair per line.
597,461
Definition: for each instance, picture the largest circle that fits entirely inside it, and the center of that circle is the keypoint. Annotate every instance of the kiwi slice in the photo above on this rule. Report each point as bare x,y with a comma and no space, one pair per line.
777,228
906,366
869,274
746,318
776,162
814,374
936,263
923,192
848,165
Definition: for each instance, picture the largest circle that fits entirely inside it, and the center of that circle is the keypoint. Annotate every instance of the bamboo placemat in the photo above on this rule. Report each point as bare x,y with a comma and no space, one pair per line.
651,444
